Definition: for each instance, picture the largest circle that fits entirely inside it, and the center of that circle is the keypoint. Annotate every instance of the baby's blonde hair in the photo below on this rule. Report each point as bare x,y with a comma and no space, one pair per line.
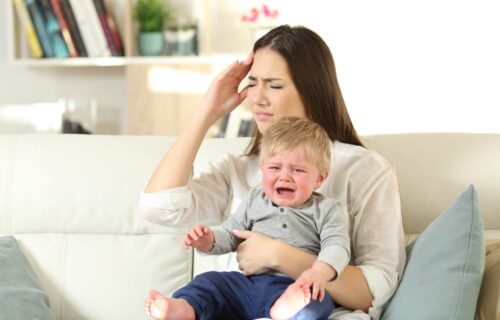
289,133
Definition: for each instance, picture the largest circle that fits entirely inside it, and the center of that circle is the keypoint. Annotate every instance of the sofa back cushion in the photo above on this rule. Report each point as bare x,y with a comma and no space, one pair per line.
71,201
433,168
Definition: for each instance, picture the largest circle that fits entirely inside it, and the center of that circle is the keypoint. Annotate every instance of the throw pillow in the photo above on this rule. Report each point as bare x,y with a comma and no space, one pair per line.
488,306
444,267
21,297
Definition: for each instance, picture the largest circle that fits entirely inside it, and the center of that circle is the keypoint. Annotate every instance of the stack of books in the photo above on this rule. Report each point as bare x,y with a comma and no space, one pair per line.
69,28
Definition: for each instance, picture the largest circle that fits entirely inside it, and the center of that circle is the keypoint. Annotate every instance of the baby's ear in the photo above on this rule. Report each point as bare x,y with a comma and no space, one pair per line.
321,178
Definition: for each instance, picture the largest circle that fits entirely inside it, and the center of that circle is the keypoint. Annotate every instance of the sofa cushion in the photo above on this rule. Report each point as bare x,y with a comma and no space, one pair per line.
444,267
489,296
21,297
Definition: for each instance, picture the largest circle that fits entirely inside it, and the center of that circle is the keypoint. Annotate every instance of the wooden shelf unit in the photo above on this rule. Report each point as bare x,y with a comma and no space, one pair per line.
148,111
122,14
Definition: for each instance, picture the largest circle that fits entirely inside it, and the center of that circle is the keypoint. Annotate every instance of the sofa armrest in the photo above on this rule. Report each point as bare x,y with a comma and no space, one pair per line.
488,303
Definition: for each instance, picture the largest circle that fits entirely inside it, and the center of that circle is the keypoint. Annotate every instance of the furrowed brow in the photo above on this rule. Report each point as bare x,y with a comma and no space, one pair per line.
252,78
271,79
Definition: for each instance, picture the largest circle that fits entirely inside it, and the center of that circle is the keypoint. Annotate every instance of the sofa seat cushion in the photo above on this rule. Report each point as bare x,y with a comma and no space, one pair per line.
444,267
488,306
106,276
21,296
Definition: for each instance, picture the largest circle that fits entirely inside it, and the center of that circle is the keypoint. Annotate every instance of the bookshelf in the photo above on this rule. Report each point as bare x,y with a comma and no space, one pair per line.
149,111
19,52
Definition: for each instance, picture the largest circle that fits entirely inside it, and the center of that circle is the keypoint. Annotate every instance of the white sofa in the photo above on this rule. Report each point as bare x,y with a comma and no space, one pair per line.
71,201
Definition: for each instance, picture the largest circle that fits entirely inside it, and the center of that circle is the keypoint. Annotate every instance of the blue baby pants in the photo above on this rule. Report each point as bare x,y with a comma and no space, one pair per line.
232,295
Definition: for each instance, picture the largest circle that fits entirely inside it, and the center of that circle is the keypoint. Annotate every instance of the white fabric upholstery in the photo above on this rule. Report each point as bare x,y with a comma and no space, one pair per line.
433,169
71,201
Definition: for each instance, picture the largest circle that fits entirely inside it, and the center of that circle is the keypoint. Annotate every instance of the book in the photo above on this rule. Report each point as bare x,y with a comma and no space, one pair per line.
38,21
107,24
114,29
73,28
97,29
29,30
90,27
63,24
53,30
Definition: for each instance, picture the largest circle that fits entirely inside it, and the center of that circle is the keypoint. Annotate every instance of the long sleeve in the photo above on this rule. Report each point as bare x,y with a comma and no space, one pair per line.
378,240
333,233
225,240
208,198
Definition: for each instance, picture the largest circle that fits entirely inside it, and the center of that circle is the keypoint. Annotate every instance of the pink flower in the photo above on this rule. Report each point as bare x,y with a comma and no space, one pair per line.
254,14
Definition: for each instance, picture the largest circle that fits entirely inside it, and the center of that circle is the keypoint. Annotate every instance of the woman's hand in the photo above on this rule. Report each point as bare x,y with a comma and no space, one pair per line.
222,97
255,254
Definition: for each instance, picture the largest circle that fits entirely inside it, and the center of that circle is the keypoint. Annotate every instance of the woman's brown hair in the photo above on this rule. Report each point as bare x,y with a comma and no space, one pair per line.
312,69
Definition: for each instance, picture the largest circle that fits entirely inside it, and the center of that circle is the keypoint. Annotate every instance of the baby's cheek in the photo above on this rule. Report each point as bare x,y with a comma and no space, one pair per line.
268,185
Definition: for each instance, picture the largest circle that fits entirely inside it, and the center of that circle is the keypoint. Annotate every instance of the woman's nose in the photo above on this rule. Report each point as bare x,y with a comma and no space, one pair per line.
259,95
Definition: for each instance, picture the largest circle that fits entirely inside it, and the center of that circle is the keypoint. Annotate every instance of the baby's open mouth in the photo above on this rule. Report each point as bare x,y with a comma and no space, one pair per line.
285,191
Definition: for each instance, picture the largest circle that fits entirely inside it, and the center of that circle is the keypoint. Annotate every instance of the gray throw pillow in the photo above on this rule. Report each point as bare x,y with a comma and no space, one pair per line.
21,297
444,268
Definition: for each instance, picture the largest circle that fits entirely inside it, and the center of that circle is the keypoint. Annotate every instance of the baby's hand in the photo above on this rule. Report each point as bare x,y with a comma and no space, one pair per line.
316,277
199,237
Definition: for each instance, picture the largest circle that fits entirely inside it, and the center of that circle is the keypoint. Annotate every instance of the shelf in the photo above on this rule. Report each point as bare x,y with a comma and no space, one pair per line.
180,60
71,62
162,92
124,61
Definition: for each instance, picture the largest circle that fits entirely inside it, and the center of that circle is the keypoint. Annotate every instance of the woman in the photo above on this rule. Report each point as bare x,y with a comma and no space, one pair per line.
291,73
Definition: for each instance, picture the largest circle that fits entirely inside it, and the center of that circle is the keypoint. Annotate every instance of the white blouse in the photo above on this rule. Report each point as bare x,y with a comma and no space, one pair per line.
361,179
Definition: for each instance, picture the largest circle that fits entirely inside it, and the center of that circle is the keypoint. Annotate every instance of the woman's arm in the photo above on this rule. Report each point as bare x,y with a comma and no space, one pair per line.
350,289
221,98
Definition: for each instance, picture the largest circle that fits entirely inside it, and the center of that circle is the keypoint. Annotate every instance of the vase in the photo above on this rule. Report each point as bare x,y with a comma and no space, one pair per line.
182,39
151,43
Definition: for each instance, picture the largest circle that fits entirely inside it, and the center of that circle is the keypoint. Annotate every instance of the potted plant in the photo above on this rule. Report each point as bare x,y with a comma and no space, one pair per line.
151,15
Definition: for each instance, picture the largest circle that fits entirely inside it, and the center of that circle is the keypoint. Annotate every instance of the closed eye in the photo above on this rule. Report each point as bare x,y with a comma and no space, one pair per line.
271,82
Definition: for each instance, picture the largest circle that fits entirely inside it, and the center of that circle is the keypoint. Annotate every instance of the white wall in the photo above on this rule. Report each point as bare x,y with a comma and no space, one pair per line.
410,66
404,66
407,66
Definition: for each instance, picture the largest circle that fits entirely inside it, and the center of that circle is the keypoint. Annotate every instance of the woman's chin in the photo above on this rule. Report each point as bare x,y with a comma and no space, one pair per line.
263,125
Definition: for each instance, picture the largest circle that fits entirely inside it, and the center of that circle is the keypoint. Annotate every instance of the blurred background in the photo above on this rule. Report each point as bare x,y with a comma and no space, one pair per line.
403,66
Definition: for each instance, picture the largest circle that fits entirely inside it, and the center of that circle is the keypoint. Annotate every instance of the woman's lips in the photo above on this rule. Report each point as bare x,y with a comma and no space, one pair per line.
263,116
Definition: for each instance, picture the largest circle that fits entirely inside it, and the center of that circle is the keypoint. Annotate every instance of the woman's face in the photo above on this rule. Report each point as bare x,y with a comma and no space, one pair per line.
272,93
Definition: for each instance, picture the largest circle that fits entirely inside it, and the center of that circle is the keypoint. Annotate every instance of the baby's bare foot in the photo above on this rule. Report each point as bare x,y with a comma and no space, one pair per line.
163,308
294,299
